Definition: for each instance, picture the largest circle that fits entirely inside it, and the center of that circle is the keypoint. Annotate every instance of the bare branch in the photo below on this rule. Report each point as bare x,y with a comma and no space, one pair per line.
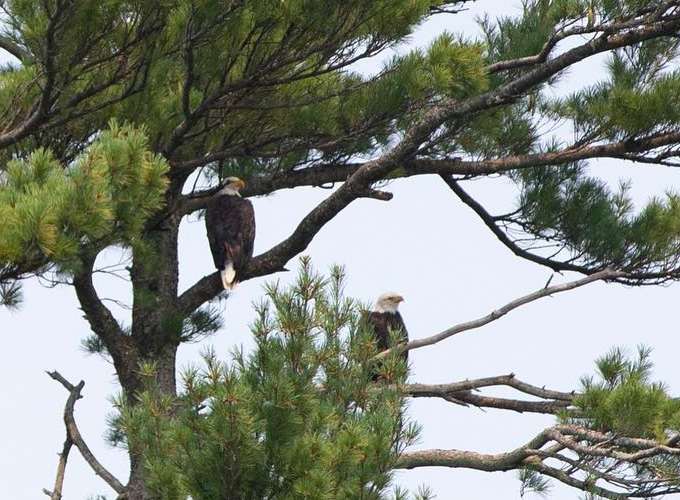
607,274
571,451
73,434
461,393
473,460
507,380
467,398
55,494
572,481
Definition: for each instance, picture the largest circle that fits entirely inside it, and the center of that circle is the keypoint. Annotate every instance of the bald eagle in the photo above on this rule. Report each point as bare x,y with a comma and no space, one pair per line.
230,223
384,318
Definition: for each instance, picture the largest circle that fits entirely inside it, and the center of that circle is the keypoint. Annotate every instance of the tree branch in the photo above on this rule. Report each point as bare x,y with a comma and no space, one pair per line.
473,460
97,314
467,398
555,265
14,48
506,380
274,259
120,346
638,19
557,461
73,434
461,393
55,494
325,174
606,274
489,221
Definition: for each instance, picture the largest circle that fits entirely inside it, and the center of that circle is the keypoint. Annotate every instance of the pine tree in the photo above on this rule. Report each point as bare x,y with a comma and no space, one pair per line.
300,417
119,118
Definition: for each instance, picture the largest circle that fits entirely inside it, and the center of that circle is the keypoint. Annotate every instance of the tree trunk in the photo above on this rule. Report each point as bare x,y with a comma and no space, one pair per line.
156,325
156,328
164,362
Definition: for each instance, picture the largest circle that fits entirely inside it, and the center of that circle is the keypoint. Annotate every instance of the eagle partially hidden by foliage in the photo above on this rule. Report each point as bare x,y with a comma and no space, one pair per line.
383,319
230,223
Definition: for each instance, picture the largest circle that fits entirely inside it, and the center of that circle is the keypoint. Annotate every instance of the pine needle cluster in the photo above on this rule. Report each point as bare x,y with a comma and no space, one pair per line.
623,399
569,206
298,418
51,211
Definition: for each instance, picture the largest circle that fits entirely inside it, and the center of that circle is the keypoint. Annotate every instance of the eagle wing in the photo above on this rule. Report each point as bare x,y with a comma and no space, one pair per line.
381,323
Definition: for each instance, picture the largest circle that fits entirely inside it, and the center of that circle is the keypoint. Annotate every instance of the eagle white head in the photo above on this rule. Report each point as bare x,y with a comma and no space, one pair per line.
388,302
232,186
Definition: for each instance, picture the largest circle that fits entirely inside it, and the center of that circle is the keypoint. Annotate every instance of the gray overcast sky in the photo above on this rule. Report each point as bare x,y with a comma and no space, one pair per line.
425,245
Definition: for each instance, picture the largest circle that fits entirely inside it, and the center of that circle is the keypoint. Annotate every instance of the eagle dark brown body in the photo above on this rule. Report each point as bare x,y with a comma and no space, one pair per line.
381,323
230,223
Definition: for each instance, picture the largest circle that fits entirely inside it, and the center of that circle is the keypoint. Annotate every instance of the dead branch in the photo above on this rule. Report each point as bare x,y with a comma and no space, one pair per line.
566,453
73,434
461,393
74,395
607,274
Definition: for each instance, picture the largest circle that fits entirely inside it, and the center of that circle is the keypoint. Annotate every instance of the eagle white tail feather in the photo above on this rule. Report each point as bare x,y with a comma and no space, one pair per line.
228,275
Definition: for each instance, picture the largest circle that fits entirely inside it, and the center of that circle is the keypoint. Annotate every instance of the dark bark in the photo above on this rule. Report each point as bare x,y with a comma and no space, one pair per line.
156,325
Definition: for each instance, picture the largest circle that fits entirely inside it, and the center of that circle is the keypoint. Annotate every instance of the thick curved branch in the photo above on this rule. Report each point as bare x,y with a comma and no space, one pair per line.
119,345
73,434
14,48
99,317
275,259
571,452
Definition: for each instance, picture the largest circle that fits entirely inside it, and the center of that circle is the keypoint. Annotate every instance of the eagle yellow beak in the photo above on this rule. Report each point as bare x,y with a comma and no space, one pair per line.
241,184
398,299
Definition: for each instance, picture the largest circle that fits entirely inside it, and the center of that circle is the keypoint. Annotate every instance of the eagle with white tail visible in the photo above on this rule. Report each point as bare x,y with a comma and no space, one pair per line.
230,223
385,318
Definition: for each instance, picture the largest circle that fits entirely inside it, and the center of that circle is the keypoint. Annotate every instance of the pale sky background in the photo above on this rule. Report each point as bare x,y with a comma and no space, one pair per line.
424,244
